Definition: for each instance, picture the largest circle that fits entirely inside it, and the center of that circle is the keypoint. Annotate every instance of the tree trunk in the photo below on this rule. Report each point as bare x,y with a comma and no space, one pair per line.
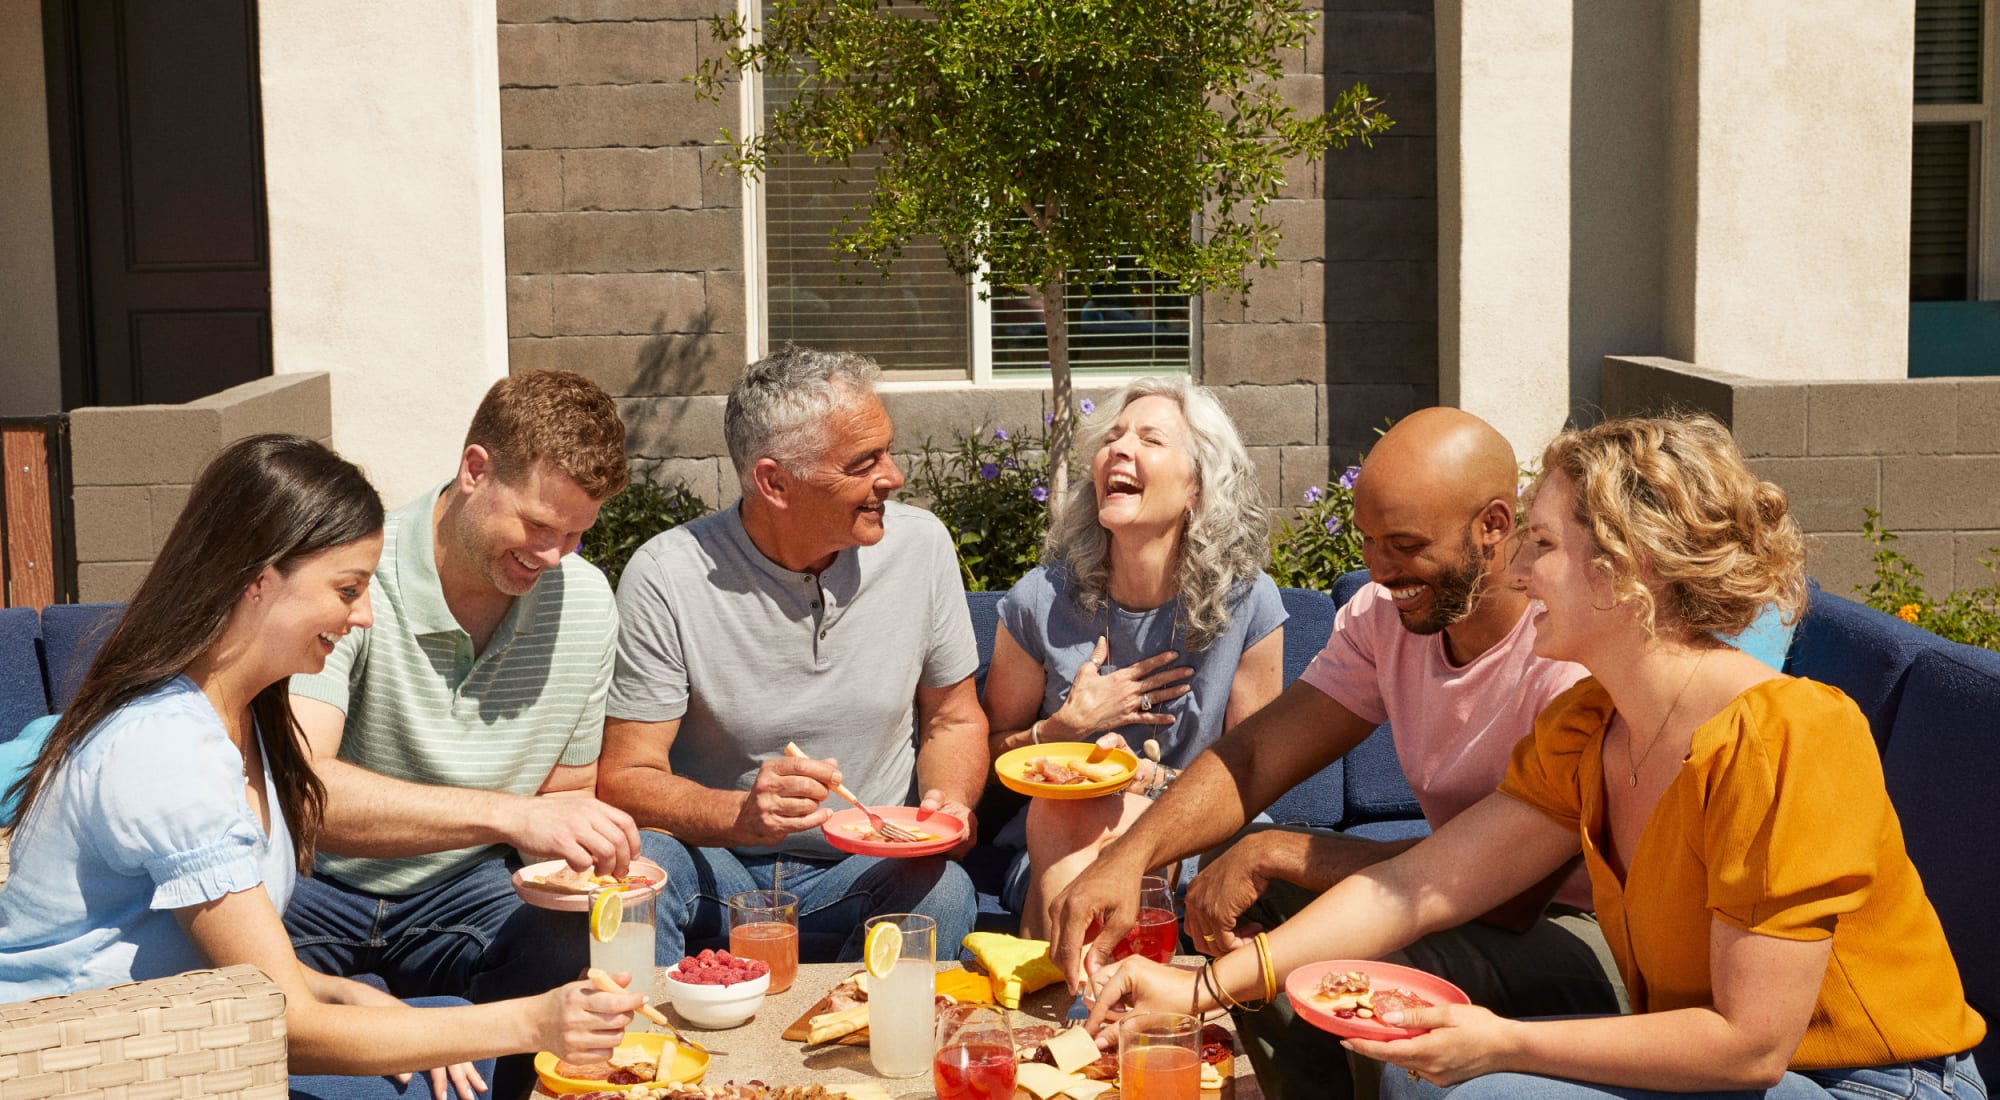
1055,323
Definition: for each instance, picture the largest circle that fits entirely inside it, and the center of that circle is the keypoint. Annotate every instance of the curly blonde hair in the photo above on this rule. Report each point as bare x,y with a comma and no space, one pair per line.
1225,541
1671,495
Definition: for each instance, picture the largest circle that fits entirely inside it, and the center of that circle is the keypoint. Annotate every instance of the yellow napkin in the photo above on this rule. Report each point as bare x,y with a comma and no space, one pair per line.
1015,965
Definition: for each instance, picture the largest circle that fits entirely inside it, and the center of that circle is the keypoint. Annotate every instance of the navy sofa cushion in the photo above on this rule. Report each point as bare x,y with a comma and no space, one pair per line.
23,695
1859,650
1321,798
985,608
71,637
1942,766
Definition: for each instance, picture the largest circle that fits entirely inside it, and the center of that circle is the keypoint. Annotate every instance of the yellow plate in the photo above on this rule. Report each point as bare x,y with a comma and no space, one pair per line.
1014,763
689,1065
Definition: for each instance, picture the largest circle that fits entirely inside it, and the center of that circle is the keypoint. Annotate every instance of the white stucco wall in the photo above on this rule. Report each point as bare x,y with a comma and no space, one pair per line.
382,163
30,370
1503,78
1800,239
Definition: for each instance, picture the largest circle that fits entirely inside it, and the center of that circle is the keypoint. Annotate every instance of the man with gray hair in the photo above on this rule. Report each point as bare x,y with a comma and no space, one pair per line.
815,611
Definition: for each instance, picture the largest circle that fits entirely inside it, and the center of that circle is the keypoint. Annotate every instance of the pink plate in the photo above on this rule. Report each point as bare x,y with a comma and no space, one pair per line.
845,829
1382,976
544,898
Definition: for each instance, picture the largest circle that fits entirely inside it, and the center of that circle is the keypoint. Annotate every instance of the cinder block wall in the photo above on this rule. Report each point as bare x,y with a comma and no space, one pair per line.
1925,452
133,467
625,248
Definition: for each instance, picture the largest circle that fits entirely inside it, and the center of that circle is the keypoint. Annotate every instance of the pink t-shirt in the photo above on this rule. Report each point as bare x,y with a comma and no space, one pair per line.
1455,727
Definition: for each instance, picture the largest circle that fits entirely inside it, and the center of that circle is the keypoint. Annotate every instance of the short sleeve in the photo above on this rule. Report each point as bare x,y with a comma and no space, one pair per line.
334,683
169,801
1263,610
586,740
649,680
953,653
1345,668
1793,813
1024,611
1545,768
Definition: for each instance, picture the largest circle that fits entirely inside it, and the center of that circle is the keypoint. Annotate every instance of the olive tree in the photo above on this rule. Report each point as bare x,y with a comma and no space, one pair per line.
1045,139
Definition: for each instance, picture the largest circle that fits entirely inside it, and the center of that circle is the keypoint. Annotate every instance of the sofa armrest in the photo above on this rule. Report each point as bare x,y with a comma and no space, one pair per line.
202,1033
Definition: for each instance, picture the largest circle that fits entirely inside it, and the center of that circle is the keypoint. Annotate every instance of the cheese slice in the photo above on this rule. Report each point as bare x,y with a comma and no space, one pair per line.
1211,1076
1072,1050
1042,1079
1083,1088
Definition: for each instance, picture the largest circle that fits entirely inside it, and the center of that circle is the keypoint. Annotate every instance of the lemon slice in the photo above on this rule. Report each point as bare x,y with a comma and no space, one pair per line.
884,947
607,912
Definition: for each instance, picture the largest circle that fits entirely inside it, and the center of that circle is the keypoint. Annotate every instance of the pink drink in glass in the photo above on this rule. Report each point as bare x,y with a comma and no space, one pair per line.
775,942
975,1071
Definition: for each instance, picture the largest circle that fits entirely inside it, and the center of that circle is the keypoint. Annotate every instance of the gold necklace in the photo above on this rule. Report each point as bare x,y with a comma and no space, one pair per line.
1633,765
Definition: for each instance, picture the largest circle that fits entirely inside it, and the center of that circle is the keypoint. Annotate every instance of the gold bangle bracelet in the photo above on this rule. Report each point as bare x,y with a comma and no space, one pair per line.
1266,968
1221,992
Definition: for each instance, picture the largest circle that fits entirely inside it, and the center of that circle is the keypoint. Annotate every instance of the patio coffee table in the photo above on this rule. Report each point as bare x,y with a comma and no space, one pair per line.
756,1052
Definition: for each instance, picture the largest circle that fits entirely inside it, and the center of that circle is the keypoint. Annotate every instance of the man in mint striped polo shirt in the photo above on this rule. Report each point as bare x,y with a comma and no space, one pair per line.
463,727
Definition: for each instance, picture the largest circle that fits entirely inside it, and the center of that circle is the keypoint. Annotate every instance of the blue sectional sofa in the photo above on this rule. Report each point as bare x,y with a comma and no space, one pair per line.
1934,707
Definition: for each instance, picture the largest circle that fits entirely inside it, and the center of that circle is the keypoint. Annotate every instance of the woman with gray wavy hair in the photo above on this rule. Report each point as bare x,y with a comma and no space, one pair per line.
1150,619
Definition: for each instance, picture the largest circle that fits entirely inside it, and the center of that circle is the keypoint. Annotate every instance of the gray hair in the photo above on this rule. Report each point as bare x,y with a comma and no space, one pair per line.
779,408
1226,540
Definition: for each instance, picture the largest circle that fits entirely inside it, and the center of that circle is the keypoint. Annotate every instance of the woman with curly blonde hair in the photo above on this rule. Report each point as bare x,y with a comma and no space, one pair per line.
1151,618
1746,863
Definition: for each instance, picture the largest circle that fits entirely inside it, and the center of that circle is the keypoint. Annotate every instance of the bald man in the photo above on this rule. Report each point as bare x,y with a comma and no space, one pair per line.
1442,650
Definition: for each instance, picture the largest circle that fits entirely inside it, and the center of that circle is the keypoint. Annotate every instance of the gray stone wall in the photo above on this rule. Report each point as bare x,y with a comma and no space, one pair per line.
132,467
624,248
1925,452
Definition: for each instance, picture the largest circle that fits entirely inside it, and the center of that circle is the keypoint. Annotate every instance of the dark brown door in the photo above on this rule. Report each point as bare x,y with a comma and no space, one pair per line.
169,296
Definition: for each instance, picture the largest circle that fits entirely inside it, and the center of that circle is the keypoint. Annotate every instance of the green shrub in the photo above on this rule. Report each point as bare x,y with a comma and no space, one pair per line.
1319,542
644,509
991,491
1969,615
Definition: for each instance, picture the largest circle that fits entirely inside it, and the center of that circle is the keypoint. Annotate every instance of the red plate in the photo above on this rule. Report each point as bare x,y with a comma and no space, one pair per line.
1383,976
844,831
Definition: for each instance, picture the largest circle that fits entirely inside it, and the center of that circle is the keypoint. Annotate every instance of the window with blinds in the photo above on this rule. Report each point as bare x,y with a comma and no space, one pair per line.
1952,117
919,321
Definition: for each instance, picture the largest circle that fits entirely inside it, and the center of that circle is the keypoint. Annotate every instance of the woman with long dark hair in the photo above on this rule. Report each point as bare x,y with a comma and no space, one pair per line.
166,819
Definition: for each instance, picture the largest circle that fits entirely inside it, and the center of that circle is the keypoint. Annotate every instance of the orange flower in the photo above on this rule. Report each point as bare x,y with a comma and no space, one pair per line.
1908,612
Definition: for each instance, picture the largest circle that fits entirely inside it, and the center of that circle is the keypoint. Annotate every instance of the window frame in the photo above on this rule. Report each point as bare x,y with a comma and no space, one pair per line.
1983,237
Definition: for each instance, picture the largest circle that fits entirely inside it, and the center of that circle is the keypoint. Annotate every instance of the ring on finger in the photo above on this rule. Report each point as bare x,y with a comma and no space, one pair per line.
1412,1073
1145,701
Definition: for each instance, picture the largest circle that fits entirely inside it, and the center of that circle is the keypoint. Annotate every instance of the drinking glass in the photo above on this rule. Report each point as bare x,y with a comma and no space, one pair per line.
1157,932
975,1054
764,924
630,949
1159,1056
901,1006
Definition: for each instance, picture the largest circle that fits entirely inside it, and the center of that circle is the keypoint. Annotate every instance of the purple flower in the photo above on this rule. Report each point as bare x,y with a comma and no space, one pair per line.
1009,463
988,471
1333,525
1087,405
1048,418
1313,494
1349,476
1000,434
1039,493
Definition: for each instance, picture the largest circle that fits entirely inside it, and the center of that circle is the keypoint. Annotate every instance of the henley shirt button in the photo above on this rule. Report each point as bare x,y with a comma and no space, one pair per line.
824,633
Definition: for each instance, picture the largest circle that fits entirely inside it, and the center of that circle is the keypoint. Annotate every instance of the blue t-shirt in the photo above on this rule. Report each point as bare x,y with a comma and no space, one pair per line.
146,816
1041,616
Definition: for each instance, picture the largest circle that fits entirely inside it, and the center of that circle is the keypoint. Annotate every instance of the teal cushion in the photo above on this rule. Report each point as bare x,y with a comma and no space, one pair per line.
1768,639
17,756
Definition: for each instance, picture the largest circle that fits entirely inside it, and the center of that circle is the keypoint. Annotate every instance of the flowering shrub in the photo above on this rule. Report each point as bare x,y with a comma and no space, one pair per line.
1970,615
991,490
1319,542
644,509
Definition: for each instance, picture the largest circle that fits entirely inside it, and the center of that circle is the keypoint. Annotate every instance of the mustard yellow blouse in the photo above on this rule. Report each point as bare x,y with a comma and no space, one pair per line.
1778,824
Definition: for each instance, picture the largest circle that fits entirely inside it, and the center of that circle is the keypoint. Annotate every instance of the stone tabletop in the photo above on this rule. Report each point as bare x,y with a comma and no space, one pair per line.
755,1050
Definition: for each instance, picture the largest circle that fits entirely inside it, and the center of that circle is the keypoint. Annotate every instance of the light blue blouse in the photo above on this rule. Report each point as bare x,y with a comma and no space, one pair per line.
147,816
1041,616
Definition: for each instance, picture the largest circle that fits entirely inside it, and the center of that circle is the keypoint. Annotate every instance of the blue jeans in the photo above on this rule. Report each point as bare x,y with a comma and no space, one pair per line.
330,1087
835,897
470,937
1954,1078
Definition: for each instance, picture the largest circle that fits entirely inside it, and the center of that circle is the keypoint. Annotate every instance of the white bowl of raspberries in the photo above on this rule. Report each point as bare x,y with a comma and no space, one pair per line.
716,989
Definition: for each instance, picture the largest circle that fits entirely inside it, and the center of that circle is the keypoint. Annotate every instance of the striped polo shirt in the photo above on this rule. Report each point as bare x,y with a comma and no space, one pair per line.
422,707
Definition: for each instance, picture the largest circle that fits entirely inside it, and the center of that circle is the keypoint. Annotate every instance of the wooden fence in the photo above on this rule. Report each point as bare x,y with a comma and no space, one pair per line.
37,546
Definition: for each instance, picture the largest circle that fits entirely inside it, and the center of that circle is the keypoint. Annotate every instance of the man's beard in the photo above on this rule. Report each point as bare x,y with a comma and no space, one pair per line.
1454,593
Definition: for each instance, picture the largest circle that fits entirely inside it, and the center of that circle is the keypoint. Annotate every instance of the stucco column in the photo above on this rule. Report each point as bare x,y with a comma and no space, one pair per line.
1789,244
382,163
1503,83
30,369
